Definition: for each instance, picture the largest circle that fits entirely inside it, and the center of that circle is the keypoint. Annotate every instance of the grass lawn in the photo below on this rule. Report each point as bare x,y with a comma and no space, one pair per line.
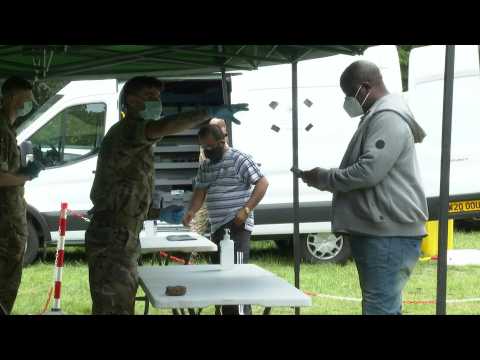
327,279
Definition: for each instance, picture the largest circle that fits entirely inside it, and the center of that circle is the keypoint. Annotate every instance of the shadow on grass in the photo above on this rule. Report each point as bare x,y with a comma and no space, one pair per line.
77,254
73,254
260,251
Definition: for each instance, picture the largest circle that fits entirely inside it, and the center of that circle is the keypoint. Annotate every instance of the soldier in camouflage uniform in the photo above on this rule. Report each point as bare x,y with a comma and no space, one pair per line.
16,102
199,223
122,191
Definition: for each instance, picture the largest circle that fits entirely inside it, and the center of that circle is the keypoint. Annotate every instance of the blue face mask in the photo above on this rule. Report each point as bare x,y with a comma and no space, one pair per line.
153,110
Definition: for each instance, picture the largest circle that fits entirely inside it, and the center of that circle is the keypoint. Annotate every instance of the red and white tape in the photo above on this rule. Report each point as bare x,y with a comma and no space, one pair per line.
59,260
410,302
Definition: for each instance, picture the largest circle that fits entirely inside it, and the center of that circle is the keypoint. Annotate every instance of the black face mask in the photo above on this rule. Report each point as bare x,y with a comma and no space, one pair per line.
214,154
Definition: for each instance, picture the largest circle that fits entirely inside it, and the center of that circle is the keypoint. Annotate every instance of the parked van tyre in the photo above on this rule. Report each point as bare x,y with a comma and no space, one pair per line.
319,248
32,246
325,248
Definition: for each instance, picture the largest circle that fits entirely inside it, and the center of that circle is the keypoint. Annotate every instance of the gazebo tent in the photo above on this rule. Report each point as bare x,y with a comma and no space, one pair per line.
76,62
120,61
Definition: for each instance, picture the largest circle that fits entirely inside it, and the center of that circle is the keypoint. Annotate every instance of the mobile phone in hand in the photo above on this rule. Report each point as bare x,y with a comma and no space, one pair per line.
297,171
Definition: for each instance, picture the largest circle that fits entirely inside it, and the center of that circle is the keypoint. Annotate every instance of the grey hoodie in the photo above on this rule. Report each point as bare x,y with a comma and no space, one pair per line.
377,188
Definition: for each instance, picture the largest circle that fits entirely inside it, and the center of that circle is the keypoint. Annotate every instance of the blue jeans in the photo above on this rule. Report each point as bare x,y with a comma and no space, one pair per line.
384,265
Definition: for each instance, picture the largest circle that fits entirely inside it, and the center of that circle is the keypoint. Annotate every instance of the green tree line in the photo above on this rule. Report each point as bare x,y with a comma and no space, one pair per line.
403,54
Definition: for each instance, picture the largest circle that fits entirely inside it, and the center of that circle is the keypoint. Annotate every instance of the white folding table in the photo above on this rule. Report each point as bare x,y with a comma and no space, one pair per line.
160,242
244,284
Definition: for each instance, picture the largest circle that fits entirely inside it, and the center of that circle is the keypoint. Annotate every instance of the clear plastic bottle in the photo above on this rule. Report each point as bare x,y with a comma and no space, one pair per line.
227,251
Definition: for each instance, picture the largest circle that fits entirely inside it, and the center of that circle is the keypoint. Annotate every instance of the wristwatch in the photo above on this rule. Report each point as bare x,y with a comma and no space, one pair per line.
247,210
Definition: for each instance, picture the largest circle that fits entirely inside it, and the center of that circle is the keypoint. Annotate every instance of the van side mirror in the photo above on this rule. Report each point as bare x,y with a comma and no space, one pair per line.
26,152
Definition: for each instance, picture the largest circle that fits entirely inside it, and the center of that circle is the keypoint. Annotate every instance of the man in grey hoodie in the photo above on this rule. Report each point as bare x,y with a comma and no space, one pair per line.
378,199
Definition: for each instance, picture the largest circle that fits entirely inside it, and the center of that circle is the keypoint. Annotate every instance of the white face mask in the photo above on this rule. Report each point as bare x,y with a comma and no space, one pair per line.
153,110
352,106
27,107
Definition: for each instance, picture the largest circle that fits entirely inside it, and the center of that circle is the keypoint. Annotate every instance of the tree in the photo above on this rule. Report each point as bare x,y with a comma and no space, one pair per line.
403,54
45,89
42,91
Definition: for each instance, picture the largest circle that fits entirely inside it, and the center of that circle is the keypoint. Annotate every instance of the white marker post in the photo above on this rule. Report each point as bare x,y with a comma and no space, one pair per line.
59,260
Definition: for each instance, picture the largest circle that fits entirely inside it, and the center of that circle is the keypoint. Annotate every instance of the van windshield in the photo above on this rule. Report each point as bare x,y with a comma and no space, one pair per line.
40,111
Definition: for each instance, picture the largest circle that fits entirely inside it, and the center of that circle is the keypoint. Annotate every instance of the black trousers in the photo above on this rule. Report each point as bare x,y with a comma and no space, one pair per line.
241,241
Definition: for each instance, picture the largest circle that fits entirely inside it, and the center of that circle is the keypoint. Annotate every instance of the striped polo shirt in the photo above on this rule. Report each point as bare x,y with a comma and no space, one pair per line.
228,183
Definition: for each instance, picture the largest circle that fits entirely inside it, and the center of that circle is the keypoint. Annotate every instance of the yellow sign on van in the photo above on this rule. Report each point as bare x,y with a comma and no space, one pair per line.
464,206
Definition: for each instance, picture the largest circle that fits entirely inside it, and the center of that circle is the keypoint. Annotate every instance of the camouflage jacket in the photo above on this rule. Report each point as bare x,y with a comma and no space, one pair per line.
12,202
125,175
124,178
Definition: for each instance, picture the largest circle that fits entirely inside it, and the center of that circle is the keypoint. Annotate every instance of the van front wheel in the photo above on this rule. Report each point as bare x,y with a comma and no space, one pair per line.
325,247
32,245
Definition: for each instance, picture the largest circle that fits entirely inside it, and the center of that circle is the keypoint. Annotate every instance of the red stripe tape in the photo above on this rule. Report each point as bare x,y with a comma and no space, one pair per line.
410,302
419,302
176,259
60,258
58,288
63,226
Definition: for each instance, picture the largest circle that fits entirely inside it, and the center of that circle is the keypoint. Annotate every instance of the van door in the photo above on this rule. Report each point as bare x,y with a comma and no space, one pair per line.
68,145
425,96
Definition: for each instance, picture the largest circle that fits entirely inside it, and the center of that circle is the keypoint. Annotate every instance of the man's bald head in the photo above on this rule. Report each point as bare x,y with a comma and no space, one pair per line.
220,123
363,80
223,126
358,73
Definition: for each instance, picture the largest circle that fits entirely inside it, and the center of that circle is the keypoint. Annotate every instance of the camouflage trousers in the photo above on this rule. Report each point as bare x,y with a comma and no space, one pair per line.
112,253
13,238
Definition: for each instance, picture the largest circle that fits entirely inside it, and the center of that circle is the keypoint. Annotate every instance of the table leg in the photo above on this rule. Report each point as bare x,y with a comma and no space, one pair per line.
147,305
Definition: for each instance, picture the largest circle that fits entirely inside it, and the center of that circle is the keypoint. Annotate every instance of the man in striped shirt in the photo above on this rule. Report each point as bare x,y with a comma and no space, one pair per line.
199,222
224,180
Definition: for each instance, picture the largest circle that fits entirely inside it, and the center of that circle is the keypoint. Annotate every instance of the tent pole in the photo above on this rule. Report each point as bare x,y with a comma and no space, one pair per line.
226,96
296,239
445,180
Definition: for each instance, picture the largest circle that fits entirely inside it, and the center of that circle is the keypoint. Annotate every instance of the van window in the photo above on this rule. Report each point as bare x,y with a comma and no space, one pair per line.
73,134
39,112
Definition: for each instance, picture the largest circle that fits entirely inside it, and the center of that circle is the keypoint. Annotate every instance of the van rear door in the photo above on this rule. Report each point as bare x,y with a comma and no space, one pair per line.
425,96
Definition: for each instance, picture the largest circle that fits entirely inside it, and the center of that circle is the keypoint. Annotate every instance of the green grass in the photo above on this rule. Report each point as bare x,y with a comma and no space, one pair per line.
329,279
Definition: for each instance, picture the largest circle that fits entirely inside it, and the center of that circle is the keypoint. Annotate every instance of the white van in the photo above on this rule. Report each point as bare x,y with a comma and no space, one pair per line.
425,97
325,130
66,133
268,92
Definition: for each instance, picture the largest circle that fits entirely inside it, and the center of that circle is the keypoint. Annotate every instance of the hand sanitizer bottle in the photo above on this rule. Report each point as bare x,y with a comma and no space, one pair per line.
227,251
